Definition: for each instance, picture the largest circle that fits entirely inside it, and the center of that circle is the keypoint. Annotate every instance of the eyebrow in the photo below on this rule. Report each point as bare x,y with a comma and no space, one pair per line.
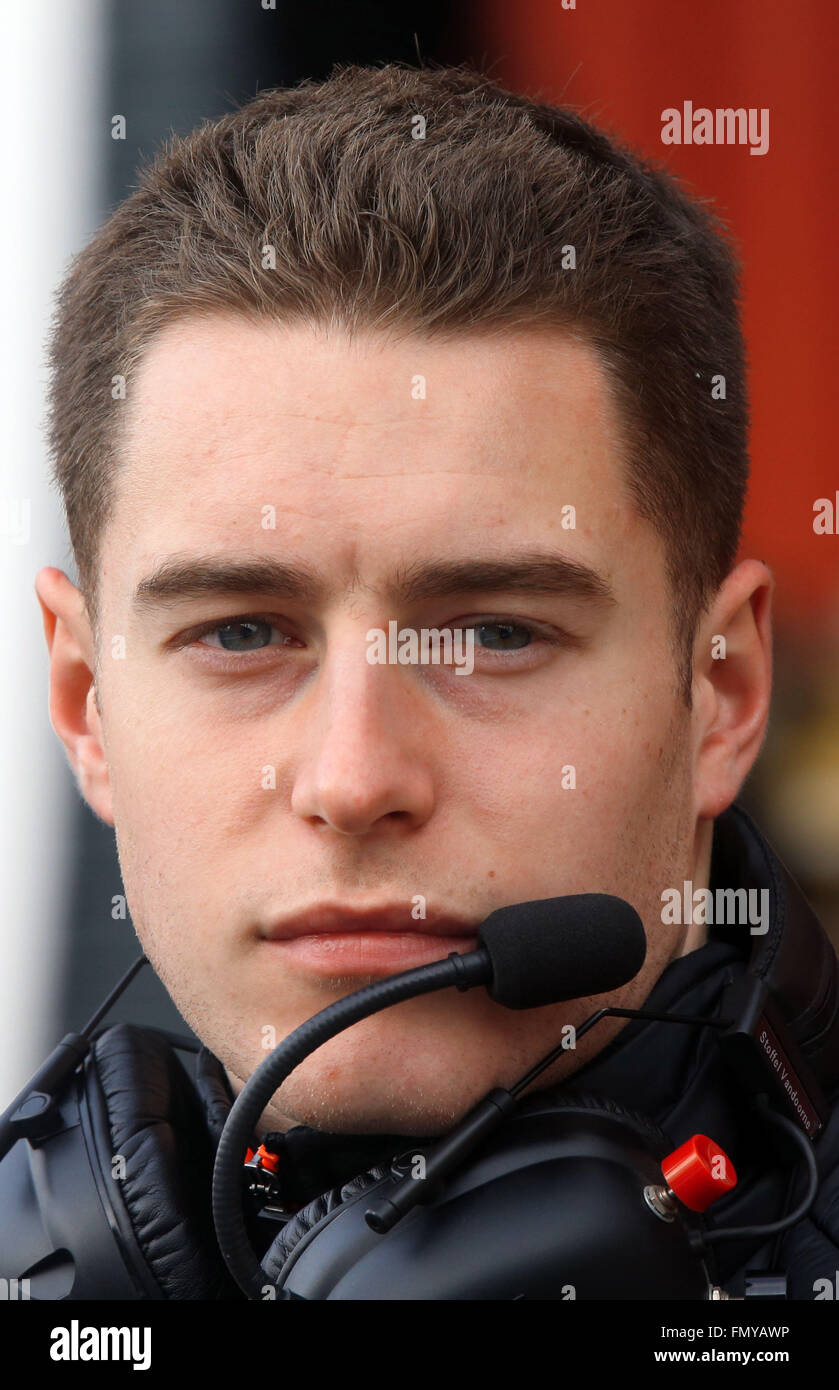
532,572
182,577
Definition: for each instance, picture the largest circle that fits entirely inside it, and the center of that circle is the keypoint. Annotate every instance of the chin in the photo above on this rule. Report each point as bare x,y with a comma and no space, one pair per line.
361,1108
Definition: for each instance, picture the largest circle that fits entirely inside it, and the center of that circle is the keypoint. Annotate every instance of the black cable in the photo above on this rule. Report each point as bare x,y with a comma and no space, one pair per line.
113,996
772,1227
775,1252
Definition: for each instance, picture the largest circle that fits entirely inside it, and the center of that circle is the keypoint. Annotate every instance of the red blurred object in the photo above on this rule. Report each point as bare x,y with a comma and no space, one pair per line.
621,66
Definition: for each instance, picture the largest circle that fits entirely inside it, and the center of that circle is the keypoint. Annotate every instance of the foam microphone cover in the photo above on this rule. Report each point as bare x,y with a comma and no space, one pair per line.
562,948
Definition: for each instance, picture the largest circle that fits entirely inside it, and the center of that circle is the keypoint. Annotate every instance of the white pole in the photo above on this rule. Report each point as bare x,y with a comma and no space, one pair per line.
53,152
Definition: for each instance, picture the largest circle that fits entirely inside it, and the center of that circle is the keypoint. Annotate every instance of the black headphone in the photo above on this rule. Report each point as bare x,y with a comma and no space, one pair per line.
550,1195
73,1230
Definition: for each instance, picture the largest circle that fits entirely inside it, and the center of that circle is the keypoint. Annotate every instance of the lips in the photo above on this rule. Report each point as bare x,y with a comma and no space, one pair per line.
327,919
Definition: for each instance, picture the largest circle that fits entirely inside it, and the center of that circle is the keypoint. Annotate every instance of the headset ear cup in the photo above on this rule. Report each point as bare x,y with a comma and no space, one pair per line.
587,1102
157,1127
307,1217
540,1102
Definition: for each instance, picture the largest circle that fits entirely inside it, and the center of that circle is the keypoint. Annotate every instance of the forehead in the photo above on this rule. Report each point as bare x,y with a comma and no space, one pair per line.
372,438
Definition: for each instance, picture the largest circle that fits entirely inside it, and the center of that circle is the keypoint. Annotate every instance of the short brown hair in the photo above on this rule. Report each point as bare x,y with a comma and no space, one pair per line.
464,229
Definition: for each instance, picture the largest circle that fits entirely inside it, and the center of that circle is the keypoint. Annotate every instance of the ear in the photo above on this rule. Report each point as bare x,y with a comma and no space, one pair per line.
732,685
72,703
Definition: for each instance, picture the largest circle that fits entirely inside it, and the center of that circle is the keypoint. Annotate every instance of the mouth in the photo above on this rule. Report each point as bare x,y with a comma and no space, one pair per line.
335,939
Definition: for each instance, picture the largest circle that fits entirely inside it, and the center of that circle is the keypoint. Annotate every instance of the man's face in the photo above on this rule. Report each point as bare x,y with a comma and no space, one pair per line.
260,772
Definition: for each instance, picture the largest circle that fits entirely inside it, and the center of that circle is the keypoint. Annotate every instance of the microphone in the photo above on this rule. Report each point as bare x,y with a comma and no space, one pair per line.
562,948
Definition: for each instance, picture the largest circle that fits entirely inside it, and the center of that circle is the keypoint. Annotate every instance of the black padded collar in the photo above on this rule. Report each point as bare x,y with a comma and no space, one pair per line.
795,957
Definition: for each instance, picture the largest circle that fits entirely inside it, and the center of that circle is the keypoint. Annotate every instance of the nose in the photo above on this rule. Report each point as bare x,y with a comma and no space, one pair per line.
365,762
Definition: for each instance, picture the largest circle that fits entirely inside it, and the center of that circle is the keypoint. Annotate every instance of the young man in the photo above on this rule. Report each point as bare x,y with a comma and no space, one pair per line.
403,352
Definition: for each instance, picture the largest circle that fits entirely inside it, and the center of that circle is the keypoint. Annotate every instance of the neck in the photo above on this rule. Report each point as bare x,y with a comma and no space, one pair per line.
700,874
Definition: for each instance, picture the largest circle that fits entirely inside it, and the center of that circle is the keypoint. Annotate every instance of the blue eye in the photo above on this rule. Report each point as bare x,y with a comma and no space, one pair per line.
243,634
503,637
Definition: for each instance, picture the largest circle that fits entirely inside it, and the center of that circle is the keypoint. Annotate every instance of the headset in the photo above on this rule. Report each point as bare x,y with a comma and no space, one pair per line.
552,1194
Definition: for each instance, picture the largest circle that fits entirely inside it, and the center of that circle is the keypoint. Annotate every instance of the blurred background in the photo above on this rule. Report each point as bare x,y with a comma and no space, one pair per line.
166,65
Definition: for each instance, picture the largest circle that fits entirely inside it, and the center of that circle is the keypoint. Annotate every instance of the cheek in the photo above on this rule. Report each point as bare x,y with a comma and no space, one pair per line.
173,768
163,799
590,762
606,794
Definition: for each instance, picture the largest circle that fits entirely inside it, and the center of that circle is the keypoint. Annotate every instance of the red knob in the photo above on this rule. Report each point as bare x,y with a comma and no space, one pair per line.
270,1161
699,1172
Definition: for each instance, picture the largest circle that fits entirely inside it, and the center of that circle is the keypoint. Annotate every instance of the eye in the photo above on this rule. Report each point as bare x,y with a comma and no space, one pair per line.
502,636
245,634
